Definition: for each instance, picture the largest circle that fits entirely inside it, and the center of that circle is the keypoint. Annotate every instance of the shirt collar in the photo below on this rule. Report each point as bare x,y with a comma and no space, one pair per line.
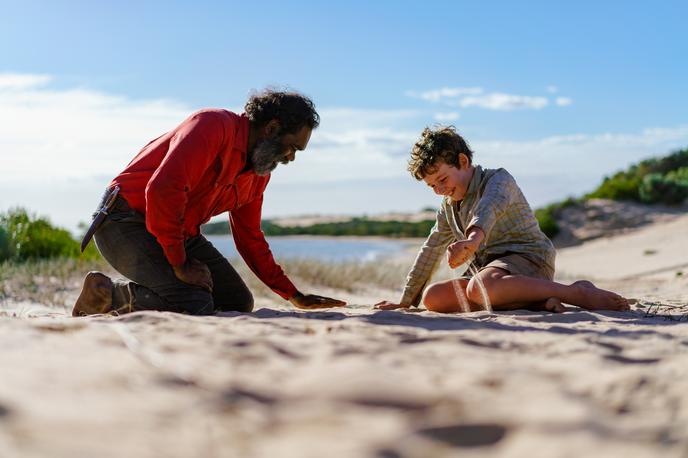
475,181
241,142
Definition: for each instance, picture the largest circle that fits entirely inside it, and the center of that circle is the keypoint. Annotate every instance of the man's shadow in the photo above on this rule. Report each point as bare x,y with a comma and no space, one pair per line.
486,321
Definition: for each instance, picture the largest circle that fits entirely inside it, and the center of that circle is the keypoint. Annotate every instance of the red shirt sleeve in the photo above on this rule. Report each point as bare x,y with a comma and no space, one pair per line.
193,147
251,244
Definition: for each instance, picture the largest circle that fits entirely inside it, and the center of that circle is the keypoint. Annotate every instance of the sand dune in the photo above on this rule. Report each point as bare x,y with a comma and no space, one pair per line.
356,382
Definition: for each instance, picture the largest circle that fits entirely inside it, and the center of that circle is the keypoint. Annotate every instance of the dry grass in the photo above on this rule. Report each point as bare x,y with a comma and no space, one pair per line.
346,276
48,282
56,282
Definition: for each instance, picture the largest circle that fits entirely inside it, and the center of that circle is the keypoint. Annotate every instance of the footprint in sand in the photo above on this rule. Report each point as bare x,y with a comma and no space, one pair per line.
475,435
4,412
627,360
235,395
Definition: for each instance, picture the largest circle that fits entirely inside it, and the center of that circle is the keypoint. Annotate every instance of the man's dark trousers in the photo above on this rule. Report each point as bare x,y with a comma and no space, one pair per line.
126,244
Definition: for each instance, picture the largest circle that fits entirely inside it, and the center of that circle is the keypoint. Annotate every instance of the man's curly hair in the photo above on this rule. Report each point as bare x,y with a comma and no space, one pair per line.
291,109
442,144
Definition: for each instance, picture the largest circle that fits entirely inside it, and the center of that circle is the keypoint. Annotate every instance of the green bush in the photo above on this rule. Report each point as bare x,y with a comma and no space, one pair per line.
4,245
547,216
679,174
547,220
657,188
627,185
621,186
29,237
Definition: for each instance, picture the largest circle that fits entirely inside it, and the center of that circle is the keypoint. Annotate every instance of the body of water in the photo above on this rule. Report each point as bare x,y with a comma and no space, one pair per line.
322,248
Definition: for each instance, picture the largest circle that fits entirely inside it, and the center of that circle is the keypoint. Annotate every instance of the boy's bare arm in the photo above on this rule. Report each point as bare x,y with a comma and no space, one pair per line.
428,256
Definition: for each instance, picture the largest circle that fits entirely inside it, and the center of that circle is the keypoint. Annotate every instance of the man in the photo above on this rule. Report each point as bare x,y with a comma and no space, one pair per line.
148,225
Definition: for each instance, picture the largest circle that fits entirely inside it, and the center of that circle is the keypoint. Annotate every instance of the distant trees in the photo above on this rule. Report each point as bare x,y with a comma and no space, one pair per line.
353,227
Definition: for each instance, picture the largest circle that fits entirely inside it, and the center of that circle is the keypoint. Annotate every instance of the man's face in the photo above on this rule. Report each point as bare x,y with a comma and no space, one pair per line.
450,181
270,151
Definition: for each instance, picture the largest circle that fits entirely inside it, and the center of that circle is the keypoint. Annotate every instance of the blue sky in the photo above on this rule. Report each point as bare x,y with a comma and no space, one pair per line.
560,95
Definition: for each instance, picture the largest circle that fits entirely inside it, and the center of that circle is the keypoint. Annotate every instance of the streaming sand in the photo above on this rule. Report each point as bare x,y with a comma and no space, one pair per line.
357,382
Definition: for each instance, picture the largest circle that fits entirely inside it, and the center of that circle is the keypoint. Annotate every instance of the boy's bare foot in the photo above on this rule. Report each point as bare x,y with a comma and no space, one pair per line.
554,305
593,298
95,296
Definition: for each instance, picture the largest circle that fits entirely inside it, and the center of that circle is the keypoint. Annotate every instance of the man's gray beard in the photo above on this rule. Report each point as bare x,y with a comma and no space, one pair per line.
266,155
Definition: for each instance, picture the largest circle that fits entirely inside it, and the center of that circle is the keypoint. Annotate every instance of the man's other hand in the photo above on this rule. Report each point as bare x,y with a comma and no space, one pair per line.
313,301
194,272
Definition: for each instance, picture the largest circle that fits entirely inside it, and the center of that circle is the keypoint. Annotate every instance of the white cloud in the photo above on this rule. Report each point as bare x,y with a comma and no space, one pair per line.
552,89
46,132
563,101
14,81
477,97
355,144
446,117
439,95
504,102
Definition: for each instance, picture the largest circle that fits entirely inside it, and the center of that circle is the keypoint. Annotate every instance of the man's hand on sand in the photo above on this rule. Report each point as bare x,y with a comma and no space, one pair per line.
388,305
313,301
194,272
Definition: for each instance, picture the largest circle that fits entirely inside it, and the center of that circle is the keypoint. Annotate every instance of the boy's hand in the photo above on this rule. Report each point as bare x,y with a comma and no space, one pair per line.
313,301
460,252
463,250
387,305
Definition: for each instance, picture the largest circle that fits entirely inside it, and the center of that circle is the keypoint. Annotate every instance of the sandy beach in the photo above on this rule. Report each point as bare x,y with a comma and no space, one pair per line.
357,382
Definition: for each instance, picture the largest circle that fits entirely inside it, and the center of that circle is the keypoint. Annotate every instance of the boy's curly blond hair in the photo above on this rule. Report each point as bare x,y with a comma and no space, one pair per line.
442,144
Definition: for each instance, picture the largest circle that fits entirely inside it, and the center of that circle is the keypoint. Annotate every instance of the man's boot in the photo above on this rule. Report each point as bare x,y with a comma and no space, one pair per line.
96,295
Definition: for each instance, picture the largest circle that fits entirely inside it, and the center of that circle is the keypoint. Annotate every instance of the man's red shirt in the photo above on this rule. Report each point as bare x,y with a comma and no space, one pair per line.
196,171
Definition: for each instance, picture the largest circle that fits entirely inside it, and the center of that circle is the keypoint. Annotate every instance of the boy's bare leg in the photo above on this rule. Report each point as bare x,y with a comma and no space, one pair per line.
504,288
444,297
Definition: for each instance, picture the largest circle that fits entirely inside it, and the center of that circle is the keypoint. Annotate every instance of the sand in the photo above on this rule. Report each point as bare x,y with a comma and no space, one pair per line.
357,382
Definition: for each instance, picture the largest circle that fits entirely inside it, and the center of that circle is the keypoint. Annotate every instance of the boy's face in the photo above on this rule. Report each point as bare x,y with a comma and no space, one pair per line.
450,181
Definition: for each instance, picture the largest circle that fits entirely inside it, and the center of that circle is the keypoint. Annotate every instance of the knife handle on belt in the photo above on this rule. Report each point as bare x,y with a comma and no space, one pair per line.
108,202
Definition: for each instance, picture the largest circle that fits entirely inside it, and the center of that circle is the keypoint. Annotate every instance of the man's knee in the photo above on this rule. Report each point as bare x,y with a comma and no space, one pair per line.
245,305
188,299
242,302
201,305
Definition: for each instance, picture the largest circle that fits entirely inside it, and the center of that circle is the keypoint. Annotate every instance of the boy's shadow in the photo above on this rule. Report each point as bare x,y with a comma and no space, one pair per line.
486,321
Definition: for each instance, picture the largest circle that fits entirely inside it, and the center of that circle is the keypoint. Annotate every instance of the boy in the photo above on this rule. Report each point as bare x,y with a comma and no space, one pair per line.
484,218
